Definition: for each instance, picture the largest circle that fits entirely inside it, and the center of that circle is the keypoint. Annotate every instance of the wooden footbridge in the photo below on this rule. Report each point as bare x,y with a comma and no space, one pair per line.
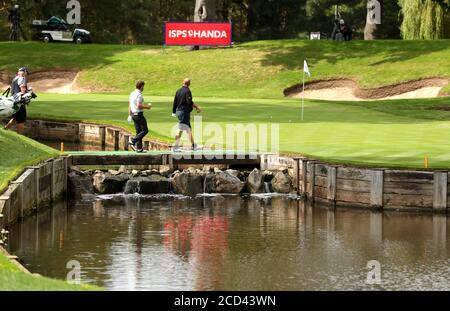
216,157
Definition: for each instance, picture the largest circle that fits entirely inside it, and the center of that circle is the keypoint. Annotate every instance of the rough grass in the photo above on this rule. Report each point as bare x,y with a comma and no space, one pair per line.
16,152
377,133
13,279
260,69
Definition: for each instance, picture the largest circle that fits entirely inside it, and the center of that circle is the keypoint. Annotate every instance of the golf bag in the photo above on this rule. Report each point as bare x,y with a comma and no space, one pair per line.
9,105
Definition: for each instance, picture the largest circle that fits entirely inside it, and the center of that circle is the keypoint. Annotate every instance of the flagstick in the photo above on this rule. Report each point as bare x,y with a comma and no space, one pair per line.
303,95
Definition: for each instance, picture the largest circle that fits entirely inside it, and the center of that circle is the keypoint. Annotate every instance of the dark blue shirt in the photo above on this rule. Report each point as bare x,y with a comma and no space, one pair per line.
183,100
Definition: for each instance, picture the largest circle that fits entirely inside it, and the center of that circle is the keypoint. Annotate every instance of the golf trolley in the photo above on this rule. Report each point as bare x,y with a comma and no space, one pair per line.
56,29
9,105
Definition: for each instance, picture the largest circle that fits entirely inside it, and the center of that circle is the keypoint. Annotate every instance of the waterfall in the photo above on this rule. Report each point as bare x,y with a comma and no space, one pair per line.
267,187
131,187
206,181
204,184
138,186
171,183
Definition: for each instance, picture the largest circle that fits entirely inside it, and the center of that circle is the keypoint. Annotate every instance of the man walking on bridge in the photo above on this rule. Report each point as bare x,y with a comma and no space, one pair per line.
182,108
136,112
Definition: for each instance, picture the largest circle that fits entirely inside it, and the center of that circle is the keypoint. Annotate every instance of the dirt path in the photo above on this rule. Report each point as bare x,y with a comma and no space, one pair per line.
348,90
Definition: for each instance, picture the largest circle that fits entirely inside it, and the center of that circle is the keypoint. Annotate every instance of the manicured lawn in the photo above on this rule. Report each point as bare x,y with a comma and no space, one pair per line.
13,279
244,85
260,69
383,133
16,152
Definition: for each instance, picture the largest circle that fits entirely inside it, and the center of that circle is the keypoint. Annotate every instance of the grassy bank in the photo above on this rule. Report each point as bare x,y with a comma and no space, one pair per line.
261,69
16,152
13,279
383,133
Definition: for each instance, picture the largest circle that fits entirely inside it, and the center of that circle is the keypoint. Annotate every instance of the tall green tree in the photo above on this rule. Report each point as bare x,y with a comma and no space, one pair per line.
423,19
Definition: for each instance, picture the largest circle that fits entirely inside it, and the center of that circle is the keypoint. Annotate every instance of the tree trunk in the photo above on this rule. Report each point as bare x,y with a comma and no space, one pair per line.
373,20
205,11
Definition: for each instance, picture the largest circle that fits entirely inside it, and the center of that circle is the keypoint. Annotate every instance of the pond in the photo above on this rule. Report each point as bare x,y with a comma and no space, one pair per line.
233,243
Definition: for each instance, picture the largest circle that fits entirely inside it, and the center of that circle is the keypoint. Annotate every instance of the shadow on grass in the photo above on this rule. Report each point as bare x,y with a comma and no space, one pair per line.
290,53
41,56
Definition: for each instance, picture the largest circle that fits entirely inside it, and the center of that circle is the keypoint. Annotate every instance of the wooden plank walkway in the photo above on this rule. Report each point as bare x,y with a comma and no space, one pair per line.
203,157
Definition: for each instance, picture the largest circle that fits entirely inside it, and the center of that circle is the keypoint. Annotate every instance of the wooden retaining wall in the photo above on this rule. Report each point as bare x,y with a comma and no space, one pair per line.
336,185
108,137
36,188
345,186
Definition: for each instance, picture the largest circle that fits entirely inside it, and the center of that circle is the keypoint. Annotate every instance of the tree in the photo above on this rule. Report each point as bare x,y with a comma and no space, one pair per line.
205,11
373,19
423,19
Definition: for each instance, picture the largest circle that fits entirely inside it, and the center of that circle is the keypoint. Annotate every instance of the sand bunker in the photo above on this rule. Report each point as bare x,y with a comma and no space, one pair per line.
56,81
348,90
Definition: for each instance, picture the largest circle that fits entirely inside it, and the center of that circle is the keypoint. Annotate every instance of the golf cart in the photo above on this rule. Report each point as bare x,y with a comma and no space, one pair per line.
9,105
56,29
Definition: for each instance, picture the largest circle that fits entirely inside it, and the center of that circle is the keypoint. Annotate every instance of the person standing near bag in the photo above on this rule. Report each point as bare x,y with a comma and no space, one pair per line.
136,111
19,85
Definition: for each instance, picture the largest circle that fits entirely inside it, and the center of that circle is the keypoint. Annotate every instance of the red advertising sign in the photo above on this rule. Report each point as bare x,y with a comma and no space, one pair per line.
198,34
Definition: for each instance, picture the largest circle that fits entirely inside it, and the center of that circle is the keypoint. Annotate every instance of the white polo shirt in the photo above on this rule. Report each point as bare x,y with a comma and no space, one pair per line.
136,98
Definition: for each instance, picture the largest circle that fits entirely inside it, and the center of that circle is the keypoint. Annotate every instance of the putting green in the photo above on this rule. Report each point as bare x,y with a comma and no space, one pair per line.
383,133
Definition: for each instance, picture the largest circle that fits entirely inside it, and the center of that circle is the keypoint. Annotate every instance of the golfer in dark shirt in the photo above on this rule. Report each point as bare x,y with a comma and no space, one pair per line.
182,108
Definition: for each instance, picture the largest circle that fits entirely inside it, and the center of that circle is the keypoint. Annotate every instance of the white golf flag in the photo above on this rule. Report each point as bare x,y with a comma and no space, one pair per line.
306,68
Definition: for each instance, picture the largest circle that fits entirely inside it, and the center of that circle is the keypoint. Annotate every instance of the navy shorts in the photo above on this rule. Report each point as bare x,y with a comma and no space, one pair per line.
21,115
184,120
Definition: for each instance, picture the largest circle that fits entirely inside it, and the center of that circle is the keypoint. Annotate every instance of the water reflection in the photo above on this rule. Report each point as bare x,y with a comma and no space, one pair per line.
233,243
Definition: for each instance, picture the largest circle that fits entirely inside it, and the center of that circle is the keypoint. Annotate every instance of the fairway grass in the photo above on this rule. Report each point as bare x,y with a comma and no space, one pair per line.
395,134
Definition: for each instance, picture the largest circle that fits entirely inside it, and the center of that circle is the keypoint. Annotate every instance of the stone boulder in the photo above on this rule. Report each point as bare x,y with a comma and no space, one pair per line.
237,174
223,182
187,183
114,172
154,184
282,183
123,169
150,172
77,170
80,186
105,183
268,176
166,171
255,182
